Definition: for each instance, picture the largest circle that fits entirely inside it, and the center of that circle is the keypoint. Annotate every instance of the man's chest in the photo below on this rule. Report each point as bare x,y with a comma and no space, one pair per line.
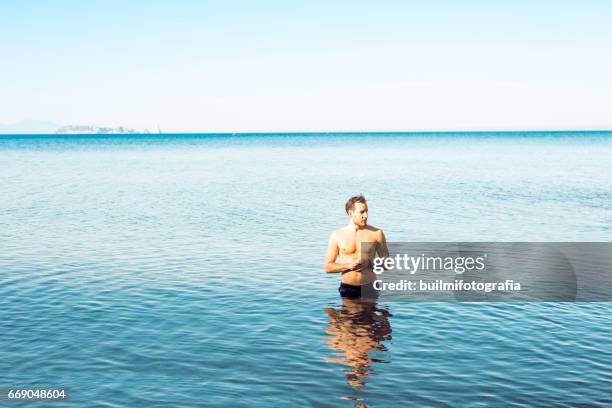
350,243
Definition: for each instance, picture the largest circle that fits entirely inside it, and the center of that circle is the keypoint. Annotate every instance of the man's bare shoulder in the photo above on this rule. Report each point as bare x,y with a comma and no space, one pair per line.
374,229
336,233
376,232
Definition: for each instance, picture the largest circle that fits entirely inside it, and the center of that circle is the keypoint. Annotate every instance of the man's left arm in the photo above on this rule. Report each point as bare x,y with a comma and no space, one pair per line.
381,247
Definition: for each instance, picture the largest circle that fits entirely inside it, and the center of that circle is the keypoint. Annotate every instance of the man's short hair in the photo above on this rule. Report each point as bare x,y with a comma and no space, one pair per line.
351,202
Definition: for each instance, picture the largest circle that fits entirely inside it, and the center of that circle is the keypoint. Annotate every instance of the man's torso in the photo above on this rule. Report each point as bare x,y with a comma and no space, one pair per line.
359,245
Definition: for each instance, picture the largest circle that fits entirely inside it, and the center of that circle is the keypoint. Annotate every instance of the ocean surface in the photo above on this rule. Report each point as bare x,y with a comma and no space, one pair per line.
186,270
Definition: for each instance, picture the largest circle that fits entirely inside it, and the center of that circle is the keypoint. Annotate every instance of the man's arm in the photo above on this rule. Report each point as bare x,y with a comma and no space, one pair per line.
330,265
381,248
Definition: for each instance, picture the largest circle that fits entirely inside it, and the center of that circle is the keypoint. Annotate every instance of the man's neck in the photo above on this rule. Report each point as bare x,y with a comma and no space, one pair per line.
353,227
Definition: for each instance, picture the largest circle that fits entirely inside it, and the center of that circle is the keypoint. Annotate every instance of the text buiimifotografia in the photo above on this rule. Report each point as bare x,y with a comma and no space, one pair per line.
479,271
440,285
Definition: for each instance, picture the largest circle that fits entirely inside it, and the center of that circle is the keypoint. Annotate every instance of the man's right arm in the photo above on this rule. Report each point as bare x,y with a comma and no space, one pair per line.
330,265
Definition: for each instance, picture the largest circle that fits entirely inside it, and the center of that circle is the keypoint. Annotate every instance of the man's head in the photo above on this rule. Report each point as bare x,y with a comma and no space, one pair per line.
357,210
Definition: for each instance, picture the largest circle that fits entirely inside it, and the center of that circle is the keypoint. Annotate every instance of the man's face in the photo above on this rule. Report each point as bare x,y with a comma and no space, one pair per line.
359,214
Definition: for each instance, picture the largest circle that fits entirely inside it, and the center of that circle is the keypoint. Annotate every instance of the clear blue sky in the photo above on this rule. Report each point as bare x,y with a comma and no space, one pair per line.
309,65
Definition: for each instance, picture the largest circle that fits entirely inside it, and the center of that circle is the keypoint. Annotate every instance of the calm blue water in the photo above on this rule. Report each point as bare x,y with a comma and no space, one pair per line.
186,270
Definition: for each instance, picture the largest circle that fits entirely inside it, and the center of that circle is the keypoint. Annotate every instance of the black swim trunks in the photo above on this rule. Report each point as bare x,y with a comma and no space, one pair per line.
349,291
356,291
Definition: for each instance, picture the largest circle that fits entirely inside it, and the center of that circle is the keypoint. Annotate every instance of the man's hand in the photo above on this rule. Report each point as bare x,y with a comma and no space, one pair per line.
358,265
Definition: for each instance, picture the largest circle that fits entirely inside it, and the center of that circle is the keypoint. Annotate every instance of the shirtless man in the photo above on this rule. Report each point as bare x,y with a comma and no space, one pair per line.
344,251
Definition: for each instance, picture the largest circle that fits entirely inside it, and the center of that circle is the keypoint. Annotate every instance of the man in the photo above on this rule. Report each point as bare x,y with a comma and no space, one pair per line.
344,251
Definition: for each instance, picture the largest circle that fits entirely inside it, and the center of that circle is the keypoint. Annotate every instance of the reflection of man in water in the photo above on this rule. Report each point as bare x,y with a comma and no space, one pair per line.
345,247
355,330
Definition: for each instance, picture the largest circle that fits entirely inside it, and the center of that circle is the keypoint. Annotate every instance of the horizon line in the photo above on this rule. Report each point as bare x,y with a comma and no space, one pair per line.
343,132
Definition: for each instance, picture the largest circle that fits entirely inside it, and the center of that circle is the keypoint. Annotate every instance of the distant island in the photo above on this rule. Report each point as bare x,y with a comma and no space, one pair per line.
95,130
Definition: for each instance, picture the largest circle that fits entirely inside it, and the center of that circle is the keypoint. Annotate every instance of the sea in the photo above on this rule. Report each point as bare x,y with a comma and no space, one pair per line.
186,270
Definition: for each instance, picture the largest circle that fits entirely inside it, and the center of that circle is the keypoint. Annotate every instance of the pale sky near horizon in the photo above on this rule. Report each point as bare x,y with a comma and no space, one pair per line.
265,66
